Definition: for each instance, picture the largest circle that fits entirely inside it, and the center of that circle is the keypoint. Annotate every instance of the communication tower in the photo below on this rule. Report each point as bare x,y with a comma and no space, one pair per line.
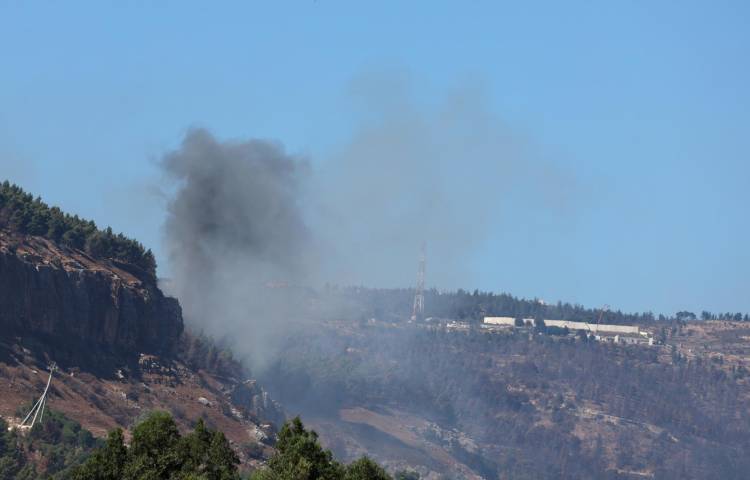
417,312
603,310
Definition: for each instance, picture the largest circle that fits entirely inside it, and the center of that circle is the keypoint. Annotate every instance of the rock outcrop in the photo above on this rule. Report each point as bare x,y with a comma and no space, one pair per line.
118,343
57,292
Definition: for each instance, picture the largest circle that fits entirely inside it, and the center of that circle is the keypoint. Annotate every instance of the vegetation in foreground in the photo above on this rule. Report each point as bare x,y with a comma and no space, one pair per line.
158,451
50,450
300,457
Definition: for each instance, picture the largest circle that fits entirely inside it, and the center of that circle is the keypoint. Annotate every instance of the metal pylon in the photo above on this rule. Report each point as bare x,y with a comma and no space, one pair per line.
38,409
417,311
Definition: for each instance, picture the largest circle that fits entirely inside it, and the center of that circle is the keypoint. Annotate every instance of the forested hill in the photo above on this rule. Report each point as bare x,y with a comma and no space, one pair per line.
518,405
470,306
473,306
21,213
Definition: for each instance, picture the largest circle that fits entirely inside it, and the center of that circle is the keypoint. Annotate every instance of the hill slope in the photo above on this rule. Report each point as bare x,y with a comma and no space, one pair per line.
118,341
519,404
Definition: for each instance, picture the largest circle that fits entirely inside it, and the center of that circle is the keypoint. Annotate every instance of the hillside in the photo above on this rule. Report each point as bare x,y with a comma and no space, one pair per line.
241,409
118,341
520,404
48,451
447,402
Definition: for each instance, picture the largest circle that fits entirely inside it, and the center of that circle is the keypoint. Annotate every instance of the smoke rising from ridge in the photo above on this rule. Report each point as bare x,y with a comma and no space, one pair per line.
246,214
234,226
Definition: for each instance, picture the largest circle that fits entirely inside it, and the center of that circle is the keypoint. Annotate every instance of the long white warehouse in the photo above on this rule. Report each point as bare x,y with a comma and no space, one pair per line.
589,327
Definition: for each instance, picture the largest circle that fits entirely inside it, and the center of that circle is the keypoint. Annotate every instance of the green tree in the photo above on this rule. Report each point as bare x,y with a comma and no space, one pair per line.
74,238
10,456
300,456
152,452
157,452
365,469
220,460
193,447
106,463
27,215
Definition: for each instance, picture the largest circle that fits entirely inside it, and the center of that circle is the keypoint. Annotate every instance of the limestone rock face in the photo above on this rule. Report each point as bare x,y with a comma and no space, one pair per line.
256,401
55,291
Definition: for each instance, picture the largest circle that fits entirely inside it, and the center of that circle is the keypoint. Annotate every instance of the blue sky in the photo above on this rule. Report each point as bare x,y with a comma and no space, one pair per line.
643,108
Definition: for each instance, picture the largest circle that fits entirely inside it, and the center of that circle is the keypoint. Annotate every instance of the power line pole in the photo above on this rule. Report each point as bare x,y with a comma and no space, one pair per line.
417,312
38,408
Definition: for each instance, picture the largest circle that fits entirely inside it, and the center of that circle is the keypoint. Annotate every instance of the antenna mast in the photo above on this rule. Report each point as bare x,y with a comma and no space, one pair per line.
417,311
603,310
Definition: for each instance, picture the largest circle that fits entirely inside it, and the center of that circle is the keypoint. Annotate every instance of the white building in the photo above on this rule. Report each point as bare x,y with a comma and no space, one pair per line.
588,327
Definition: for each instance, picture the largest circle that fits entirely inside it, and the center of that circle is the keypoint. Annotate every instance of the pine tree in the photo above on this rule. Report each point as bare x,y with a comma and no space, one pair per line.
107,463
365,469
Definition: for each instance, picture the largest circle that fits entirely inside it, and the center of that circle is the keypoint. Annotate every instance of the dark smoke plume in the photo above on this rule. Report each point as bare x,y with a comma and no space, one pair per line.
246,216
234,230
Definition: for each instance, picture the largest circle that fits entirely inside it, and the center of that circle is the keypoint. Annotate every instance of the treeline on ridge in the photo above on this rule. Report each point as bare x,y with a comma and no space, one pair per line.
25,214
394,303
384,303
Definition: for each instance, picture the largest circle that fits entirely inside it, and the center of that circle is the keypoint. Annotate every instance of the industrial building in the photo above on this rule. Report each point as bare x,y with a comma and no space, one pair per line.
587,327
627,334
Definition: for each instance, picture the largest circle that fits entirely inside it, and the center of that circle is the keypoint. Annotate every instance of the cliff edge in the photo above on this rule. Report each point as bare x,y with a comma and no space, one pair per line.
59,292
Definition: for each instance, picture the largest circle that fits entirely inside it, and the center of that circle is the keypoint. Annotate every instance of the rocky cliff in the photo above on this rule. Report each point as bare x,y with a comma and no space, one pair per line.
119,346
61,293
